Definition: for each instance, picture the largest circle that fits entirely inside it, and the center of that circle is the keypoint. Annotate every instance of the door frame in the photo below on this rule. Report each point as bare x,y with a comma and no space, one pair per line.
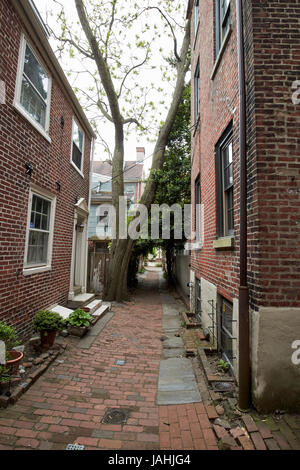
81,212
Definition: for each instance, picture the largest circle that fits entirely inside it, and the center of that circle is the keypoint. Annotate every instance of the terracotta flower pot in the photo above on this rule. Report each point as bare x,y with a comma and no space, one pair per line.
48,338
13,363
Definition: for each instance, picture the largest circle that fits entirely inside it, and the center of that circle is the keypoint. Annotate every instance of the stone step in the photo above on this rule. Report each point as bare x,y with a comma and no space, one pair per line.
80,301
94,305
63,311
100,312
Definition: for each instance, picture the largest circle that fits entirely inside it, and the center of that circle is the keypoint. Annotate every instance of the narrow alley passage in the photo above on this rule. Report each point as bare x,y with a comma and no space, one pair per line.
120,370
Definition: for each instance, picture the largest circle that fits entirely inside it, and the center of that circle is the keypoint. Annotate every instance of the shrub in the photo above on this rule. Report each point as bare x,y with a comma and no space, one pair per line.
4,375
8,334
46,321
79,318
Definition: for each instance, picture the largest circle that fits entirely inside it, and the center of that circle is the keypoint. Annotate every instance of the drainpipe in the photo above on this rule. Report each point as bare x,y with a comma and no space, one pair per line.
244,330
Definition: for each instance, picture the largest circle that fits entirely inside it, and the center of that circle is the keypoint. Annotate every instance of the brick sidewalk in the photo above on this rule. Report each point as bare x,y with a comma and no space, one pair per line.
68,403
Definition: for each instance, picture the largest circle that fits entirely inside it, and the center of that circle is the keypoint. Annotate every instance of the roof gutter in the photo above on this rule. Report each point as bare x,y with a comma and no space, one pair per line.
31,19
244,329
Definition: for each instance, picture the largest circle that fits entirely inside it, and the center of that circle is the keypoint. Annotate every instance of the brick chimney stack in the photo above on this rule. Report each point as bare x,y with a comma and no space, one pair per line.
140,154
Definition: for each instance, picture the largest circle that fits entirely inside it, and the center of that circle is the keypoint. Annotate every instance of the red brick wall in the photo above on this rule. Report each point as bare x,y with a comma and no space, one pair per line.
272,47
21,297
218,267
276,37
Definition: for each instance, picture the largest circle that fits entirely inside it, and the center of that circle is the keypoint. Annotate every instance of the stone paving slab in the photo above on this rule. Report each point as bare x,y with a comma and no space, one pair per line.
177,383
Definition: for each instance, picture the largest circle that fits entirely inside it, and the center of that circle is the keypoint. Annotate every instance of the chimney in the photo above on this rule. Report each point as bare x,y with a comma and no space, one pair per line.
140,154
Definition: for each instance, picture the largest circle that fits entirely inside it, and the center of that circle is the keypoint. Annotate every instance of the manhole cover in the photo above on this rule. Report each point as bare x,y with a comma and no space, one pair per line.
221,386
115,416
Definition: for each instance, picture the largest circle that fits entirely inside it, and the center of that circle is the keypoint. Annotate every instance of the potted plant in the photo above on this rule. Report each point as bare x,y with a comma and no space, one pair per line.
79,322
48,324
8,334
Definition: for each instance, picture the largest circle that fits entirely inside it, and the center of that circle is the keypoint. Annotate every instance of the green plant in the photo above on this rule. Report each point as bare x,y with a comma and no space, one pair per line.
142,270
223,365
8,334
79,318
46,321
4,375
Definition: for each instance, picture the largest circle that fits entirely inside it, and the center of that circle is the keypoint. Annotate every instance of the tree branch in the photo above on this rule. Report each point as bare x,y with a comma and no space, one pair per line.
102,68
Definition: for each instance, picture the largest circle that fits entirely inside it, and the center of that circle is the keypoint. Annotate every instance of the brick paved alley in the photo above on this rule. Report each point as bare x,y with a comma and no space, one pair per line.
68,403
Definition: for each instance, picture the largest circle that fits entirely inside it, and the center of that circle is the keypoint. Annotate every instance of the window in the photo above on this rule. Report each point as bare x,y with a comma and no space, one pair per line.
38,251
224,152
197,91
196,16
226,334
33,88
77,147
223,19
198,306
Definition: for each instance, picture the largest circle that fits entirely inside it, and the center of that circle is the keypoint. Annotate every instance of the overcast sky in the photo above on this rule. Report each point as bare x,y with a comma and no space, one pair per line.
81,81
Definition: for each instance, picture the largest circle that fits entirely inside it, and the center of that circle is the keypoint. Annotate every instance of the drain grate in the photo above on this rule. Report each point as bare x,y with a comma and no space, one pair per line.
120,362
74,447
115,416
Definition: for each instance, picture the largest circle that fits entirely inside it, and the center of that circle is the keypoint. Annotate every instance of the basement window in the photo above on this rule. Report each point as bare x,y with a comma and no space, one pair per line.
226,333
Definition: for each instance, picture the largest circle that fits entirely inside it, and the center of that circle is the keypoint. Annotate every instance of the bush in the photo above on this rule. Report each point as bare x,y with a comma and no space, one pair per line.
4,375
8,334
45,321
79,318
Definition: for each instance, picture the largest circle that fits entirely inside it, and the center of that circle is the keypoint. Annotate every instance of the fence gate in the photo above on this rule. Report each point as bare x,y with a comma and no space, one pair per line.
98,263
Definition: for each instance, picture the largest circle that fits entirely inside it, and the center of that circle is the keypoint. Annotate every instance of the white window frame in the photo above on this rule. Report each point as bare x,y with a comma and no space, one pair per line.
80,170
18,88
30,269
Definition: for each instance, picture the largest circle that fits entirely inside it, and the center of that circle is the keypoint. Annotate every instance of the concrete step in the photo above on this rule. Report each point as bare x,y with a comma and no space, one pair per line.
63,311
100,312
80,301
94,305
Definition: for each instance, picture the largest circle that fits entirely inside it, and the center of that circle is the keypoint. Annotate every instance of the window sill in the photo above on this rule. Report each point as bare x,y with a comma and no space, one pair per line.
22,111
38,270
77,169
221,52
224,243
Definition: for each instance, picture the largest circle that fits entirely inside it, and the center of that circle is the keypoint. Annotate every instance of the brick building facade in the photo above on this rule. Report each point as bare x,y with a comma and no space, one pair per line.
46,146
272,52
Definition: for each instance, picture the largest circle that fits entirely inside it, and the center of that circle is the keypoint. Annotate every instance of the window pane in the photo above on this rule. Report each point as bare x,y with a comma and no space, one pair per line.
78,137
38,248
33,103
46,207
36,73
40,214
76,156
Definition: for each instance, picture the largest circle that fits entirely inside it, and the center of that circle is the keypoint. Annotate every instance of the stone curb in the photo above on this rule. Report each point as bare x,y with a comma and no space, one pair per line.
32,378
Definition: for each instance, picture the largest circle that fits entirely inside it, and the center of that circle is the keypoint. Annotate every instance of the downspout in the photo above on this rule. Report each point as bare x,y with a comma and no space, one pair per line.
244,330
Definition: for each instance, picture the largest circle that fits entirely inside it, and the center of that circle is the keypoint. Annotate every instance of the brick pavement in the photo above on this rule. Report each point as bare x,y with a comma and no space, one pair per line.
67,404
